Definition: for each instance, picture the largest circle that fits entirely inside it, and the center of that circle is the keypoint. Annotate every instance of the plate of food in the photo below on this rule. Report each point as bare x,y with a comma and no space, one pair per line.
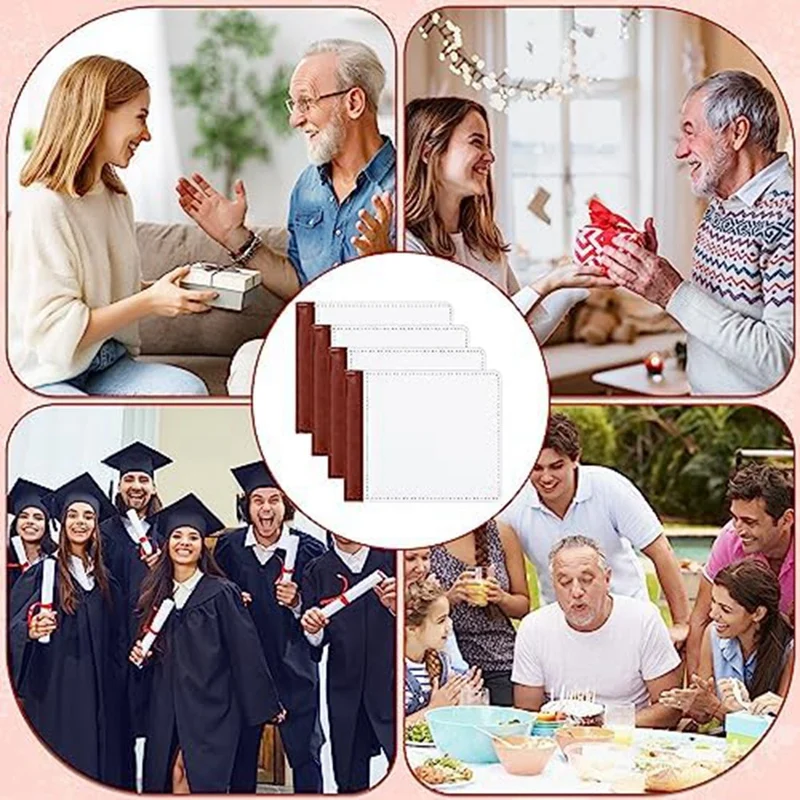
576,712
444,773
419,735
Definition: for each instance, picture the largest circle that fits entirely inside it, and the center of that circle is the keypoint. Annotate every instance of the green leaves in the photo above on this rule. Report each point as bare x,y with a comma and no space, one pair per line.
237,102
680,457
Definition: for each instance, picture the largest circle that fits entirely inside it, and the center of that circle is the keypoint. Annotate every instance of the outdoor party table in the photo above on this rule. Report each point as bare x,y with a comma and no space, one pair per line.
559,777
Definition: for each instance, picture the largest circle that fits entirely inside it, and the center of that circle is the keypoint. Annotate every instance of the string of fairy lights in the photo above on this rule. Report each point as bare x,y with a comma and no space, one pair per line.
503,88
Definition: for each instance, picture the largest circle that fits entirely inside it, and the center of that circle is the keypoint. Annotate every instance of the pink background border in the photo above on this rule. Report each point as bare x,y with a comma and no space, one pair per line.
29,29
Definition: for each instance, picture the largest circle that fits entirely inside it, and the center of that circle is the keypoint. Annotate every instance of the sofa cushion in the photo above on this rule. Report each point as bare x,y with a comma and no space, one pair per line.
218,332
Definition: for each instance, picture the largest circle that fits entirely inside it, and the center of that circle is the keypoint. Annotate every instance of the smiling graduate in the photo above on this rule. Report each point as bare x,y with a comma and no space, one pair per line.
254,558
210,678
361,656
31,527
72,687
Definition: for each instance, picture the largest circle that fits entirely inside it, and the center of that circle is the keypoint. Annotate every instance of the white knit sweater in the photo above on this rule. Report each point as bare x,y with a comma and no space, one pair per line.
738,307
67,255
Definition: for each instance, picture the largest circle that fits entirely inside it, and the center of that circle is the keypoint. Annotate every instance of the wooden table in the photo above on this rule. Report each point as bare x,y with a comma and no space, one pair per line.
634,379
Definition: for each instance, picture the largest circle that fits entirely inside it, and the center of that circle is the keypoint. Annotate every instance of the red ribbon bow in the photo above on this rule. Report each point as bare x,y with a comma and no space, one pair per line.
23,567
345,587
611,223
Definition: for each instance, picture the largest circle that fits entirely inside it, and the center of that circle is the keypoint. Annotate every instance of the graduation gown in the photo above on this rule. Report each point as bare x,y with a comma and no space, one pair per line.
287,651
361,666
121,555
72,689
209,681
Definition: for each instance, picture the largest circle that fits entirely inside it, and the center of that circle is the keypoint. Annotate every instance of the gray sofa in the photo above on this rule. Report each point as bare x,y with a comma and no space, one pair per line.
201,343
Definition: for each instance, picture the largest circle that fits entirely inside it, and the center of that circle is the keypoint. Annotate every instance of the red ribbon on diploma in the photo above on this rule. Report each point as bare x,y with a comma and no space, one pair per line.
345,586
35,608
23,567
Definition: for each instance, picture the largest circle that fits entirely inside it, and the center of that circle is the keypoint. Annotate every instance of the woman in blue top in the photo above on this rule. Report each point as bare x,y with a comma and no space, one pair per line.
748,650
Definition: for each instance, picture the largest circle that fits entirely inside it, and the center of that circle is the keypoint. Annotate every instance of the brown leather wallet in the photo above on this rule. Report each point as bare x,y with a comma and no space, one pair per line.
337,455
354,411
321,425
304,368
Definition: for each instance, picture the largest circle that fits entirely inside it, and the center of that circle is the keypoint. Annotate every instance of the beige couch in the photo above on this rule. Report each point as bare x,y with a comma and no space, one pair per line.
201,343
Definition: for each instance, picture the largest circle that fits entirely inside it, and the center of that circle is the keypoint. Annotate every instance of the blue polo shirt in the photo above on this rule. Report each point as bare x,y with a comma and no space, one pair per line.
320,228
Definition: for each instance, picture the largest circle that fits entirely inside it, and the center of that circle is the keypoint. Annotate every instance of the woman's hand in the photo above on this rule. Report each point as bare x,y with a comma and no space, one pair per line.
448,694
494,592
699,701
387,594
573,276
247,598
767,703
42,624
459,591
313,621
728,696
168,299
220,218
137,655
375,231
150,560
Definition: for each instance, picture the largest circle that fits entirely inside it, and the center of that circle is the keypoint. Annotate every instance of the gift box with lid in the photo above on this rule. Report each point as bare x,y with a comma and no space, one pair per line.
236,286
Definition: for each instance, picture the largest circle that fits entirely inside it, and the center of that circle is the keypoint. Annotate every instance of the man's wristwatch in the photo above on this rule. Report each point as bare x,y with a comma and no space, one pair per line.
247,250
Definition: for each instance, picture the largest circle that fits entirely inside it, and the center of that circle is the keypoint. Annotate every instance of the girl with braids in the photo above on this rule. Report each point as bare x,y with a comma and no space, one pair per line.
430,680
483,630
209,676
750,643
72,687
449,209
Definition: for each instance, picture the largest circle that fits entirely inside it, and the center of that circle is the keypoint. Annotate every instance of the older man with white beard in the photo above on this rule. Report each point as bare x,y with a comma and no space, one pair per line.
334,95
738,306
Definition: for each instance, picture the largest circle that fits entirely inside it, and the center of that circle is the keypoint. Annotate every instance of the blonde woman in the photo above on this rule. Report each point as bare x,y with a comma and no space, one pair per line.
75,290
449,209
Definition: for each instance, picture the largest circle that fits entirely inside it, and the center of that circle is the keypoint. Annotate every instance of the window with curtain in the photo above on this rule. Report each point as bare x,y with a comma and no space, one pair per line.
581,145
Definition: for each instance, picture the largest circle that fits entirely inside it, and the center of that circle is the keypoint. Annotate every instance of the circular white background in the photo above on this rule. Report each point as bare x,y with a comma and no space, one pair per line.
494,324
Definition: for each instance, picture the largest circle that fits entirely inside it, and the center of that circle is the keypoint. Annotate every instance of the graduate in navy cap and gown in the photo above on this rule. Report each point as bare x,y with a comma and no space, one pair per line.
253,557
31,527
210,678
137,464
361,655
72,687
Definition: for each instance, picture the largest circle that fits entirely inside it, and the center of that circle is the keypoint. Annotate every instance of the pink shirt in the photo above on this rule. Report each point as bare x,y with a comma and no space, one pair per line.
728,548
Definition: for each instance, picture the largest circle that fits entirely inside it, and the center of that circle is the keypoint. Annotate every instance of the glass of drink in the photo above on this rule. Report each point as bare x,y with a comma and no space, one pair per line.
477,588
621,718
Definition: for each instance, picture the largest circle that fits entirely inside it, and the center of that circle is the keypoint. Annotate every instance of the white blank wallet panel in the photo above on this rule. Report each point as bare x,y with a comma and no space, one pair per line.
431,435
414,358
377,336
383,313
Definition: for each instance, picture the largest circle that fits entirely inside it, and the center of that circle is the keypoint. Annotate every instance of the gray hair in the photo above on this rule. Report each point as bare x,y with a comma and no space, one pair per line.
357,65
731,94
573,541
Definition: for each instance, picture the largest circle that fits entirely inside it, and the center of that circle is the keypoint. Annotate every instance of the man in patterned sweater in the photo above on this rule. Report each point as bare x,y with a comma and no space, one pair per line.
738,307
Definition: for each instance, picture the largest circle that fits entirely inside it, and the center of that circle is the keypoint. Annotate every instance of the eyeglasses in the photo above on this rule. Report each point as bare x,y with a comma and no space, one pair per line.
304,104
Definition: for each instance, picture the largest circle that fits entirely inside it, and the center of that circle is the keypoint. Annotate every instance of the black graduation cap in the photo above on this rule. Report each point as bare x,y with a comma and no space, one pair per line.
26,494
254,476
191,511
137,457
83,489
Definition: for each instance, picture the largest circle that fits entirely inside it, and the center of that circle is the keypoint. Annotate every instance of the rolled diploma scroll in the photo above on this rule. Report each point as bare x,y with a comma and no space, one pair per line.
164,610
138,533
353,593
48,582
287,570
19,549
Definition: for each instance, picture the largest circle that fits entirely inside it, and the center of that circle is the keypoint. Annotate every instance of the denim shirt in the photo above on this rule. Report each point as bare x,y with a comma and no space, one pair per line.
320,228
